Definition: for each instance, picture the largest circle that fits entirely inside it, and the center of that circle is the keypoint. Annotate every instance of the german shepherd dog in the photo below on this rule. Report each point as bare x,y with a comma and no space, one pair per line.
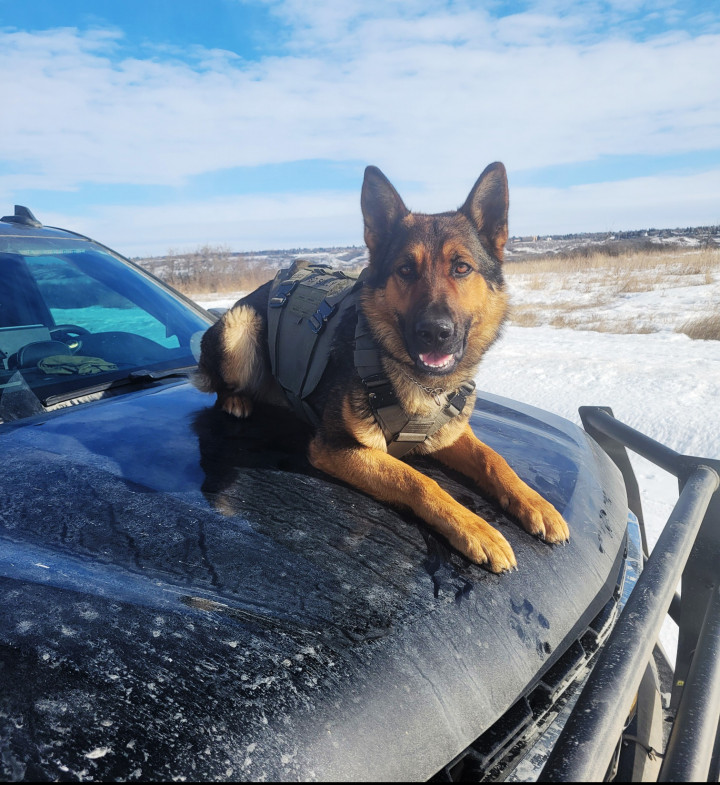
435,301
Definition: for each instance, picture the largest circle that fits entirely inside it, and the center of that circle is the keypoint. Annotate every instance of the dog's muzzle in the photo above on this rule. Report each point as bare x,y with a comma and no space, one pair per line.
435,343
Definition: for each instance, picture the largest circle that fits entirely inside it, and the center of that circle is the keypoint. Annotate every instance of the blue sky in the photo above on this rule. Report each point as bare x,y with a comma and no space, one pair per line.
167,124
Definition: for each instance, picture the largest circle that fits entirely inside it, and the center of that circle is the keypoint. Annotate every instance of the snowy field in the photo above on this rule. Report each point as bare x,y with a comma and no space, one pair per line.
662,382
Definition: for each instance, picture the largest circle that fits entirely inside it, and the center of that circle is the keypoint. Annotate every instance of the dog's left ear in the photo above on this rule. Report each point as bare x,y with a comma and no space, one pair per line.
382,207
487,207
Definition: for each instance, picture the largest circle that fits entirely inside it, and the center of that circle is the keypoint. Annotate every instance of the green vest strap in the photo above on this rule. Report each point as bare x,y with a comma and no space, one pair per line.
303,308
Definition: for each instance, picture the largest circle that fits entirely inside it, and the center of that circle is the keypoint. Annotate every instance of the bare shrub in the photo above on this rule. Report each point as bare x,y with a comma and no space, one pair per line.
210,269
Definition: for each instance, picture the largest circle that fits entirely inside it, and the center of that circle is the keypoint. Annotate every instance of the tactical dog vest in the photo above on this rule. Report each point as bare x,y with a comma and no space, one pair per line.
303,298
304,311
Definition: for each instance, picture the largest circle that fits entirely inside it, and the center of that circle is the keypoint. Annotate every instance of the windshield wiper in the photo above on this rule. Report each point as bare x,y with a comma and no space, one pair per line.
140,376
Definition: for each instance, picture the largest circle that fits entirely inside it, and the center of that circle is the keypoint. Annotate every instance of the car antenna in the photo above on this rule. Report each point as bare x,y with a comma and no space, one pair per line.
22,216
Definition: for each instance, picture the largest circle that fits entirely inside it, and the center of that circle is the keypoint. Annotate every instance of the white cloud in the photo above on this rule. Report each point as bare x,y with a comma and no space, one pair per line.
429,110
428,93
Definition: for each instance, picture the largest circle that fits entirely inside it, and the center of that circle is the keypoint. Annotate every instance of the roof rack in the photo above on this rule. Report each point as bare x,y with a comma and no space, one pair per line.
22,216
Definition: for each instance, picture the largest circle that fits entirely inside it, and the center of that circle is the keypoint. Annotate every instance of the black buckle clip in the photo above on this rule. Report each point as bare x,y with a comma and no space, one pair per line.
457,402
319,318
380,391
283,291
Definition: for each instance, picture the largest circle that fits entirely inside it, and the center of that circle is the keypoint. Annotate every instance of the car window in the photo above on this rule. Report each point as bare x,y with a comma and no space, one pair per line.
74,317
74,297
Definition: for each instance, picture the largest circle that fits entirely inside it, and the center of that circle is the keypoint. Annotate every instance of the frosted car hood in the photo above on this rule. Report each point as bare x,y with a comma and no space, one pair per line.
183,596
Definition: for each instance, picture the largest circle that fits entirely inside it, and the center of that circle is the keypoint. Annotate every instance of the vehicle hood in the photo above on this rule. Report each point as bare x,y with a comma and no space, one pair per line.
184,596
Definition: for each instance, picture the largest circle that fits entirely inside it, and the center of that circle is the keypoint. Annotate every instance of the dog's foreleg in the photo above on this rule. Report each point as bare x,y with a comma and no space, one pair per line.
231,363
493,475
390,480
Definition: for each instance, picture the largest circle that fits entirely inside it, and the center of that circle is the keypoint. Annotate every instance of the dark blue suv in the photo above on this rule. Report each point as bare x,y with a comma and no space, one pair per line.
183,597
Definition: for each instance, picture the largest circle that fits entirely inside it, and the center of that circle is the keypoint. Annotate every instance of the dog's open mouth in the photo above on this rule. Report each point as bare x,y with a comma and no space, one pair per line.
435,362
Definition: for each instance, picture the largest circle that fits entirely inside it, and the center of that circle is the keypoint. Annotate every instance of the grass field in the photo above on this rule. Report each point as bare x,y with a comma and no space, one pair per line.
623,294
628,293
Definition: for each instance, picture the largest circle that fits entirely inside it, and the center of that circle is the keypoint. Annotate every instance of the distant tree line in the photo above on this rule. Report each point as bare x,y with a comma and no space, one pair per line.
210,269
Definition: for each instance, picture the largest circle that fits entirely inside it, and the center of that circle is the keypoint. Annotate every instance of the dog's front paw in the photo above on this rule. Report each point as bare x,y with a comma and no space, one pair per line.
539,517
485,545
237,405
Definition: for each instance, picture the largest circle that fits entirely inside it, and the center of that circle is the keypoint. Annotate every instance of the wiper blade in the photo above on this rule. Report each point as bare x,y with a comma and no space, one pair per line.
141,376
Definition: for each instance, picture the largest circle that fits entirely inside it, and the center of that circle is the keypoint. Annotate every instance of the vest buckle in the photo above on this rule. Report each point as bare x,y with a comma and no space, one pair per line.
319,318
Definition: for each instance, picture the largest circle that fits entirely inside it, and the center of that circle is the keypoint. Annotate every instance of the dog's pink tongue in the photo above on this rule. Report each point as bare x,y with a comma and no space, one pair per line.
435,359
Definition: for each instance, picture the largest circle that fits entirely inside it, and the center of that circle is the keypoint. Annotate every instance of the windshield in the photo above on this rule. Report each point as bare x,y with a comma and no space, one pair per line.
75,319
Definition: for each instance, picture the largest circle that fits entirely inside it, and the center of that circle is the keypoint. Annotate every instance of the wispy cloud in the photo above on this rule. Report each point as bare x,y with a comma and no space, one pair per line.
430,91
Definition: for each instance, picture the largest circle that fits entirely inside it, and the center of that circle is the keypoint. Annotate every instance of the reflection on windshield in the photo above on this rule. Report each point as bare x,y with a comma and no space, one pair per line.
73,316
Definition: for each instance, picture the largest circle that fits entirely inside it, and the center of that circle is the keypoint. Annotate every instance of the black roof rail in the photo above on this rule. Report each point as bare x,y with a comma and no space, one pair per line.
22,216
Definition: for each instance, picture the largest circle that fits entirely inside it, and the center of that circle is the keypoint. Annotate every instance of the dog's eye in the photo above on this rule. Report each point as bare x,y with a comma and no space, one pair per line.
406,270
461,269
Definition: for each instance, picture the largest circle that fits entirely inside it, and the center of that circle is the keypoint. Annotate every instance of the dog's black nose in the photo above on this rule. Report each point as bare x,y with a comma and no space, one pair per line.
434,333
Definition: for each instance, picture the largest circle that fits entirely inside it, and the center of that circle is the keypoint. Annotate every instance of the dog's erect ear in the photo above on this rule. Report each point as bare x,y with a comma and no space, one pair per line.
487,207
381,205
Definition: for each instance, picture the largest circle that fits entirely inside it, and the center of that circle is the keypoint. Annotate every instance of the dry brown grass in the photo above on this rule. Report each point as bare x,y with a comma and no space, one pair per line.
525,316
606,278
209,269
705,328
217,270
672,262
600,324
619,327
245,281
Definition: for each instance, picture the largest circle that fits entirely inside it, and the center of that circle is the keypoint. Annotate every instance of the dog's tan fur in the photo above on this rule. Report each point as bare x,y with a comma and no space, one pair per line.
436,270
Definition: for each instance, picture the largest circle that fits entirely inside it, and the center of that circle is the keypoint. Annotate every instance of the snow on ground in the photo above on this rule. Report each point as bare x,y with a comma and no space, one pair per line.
635,294
661,383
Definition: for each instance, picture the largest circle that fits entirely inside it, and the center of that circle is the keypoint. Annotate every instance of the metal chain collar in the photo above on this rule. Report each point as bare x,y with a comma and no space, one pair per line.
434,392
